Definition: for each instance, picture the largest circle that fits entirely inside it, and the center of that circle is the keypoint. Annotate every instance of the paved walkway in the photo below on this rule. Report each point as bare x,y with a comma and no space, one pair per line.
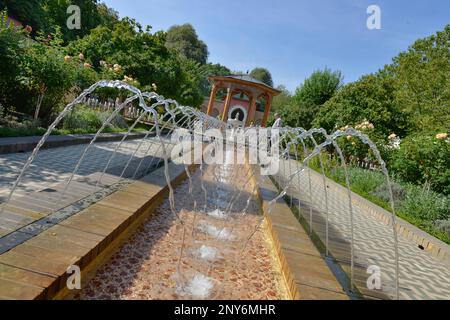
41,191
422,276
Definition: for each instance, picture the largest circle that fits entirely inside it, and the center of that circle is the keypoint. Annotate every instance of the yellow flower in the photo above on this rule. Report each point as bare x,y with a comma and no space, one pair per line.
392,136
117,68
81,56
441,136
128,79
67,58
87,65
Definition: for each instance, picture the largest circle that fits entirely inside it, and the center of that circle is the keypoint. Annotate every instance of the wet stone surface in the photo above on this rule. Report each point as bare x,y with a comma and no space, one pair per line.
195,255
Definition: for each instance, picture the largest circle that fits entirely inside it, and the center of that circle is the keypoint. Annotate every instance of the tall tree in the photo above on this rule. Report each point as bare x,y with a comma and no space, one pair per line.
372,98
56,11
317,89
142,56
262,74
28,12
108,16
281,100
209,70
184,39
422,76
12,54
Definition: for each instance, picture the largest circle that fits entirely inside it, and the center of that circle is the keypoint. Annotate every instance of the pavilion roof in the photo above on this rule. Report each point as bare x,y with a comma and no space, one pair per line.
246,79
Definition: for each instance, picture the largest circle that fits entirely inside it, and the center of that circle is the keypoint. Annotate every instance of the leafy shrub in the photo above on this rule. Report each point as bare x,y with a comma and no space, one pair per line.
398,192
425,204
442,225
18,122
424,159
328,162
19,125
117,122
360,179
85,119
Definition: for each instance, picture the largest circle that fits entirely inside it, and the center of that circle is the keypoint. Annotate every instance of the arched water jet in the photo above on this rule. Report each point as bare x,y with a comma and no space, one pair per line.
330,140
176,116
299,134
66,110
343,163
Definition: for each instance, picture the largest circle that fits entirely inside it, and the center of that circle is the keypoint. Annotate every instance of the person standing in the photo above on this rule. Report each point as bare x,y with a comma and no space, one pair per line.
277,123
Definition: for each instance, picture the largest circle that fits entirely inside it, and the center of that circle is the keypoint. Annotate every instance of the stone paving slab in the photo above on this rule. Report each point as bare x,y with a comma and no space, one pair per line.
78,240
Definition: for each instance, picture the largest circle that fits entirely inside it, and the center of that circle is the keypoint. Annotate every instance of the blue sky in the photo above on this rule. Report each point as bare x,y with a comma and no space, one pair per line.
292,38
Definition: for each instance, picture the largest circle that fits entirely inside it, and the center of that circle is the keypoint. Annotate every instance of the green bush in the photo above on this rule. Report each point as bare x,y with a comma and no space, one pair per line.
117,122
328,162
443,225
424,159
19,125
398,192
84,119
360,179
16,121
425,204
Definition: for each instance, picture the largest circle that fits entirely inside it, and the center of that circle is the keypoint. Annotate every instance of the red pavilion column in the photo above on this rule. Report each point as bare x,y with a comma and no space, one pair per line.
251,110
212,98
226,106
267,111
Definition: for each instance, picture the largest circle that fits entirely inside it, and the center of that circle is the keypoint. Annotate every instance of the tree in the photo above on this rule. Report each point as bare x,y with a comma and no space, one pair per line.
48,75
108,16
28,12
184,39
12,53
209,70
190,93
422,80
281,100
263,75
309,97
56,11
372,98
319,87
142,56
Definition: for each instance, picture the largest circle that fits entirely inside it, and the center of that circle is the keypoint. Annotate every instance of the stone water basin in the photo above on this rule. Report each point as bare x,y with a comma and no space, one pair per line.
196,254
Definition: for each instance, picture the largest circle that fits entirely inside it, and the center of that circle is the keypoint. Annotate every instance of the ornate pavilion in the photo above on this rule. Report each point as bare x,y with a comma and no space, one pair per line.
240,97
